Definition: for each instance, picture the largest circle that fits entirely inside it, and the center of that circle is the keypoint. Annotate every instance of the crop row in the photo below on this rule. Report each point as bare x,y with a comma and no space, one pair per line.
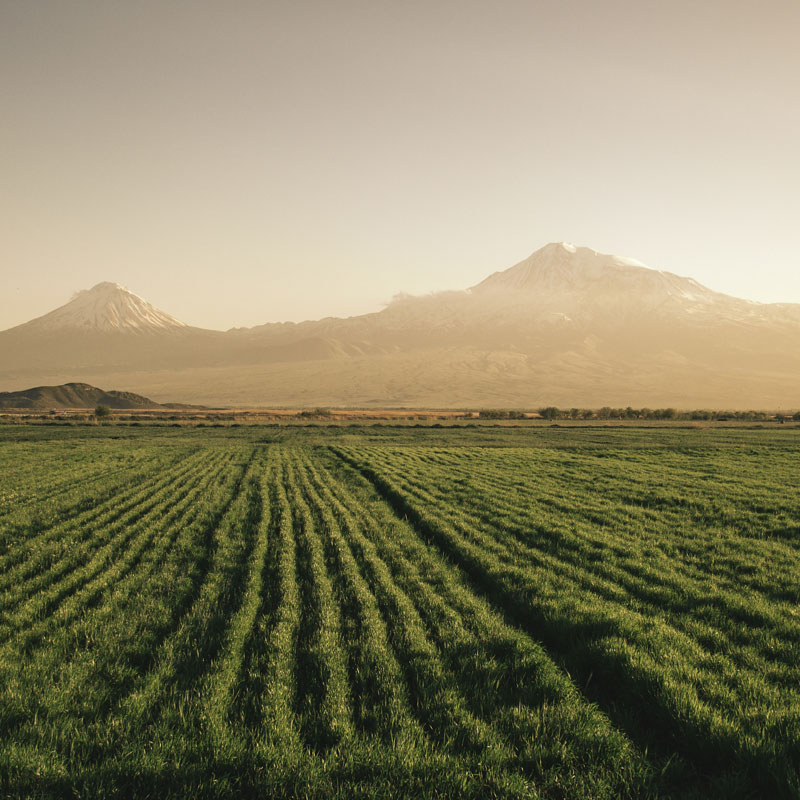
37,492
253,616
66,670
682,659
248,618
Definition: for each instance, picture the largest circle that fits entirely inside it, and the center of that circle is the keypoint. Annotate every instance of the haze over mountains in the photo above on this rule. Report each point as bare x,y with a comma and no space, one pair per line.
567,326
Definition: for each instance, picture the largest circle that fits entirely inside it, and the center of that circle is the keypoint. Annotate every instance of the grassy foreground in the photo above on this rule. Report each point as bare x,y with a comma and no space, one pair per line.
386,611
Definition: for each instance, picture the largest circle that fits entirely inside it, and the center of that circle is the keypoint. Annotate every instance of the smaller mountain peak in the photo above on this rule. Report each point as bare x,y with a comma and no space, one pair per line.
107,306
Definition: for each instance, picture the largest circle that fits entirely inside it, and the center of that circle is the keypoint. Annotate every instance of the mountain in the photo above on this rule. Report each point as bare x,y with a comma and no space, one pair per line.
73,395
568,279
566,326
591,288
104,328
107,308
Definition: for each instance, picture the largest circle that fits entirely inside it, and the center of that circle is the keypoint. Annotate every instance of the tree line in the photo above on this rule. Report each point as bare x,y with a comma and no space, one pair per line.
606,412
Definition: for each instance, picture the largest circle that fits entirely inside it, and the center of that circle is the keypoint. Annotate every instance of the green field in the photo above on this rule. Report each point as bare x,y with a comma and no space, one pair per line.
390,611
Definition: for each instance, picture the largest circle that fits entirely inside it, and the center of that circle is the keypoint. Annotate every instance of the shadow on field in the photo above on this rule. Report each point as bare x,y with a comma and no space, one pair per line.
689,761
789,533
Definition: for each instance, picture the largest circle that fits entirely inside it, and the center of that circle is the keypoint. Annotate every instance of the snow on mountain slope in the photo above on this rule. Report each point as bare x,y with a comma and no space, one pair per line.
581,285
561,269
105,307
560,286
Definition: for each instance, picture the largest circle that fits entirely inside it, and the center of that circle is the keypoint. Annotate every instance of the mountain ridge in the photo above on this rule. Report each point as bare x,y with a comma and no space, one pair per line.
566,326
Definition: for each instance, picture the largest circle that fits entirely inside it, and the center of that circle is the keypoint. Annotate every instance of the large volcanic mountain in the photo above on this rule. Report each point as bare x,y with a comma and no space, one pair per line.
566,326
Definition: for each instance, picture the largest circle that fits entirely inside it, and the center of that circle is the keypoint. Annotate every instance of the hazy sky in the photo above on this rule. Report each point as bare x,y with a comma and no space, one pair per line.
243,162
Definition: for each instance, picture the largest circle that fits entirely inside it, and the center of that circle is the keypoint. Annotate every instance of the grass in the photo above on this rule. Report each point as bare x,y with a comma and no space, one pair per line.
389,611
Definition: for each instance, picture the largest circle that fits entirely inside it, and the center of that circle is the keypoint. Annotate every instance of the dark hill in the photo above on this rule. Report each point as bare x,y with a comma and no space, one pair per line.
73,395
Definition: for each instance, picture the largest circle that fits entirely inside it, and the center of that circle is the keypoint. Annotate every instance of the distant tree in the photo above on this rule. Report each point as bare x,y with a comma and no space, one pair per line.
796,416
551,412
317,412
102,411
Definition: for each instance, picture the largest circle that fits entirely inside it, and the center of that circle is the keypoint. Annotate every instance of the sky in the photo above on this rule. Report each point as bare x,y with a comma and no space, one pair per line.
248,162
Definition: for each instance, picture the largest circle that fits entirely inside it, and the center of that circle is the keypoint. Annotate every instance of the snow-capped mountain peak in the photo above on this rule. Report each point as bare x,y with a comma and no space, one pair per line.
562,269
106,307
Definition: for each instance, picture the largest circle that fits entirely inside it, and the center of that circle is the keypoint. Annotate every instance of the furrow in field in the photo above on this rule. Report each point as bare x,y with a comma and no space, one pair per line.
33,521
84,667
381,702
51,549
55,561
627,658
168,698
227,672
322,702
611,486
435,695
279,738
587,557
714,532
492,531
507,680
741,625
40,466
613,502
85,581
186,656
139,558
245,711
63,499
